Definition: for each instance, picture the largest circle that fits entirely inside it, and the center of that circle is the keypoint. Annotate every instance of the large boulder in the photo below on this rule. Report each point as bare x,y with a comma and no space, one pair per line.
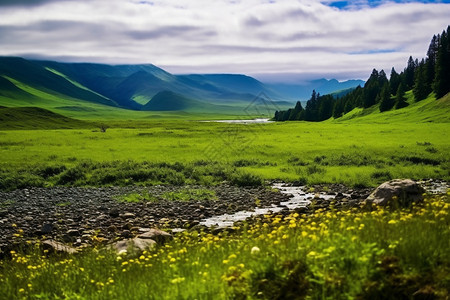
159,236
57,247
134,245
396,193
145,241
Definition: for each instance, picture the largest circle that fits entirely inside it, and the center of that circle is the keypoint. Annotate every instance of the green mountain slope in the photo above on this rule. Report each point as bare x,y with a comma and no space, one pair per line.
36,118
42,79
131,86
170,101
428,110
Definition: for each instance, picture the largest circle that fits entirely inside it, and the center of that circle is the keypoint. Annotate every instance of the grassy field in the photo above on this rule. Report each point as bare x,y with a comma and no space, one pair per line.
344,254
178,152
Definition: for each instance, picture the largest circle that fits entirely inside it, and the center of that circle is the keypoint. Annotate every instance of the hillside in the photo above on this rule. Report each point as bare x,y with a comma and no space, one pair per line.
36,118
38,77
428,110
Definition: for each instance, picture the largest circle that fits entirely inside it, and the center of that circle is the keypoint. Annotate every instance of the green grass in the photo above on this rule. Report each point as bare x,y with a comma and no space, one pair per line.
332,254
191,152
189,194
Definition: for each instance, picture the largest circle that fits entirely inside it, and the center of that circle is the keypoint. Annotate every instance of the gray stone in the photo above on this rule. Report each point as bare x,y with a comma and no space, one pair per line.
126,233
47,228
58,247
134,245
161,237
127,215
73,232
397,192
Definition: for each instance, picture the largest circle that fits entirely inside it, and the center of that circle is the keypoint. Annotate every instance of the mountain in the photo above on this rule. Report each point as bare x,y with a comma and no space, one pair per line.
302,91
37,76
87,87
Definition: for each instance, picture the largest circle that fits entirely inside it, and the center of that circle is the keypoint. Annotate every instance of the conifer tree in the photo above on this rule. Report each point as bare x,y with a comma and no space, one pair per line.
420,90
409,73
400,99
441,84
431,62
394,81
311,109
371,89
386,103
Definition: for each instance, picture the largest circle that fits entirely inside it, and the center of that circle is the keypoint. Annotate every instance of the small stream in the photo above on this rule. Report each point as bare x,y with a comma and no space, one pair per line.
299,198
253,121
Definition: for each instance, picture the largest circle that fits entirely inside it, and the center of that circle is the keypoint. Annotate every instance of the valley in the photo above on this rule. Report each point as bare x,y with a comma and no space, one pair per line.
122,181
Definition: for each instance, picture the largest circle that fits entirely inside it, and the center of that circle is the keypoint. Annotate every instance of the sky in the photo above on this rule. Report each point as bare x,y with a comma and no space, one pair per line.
274,40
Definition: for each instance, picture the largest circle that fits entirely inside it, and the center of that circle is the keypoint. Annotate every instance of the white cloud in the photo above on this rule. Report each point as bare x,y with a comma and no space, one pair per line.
251,36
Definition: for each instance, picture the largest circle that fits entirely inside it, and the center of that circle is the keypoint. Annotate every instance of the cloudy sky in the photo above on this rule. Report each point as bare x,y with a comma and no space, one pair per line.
267,38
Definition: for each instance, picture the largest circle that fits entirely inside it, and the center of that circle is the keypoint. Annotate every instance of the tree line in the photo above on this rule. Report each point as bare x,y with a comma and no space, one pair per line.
431,74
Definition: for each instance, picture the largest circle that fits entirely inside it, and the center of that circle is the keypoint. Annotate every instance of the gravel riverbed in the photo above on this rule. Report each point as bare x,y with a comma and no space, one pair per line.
84,216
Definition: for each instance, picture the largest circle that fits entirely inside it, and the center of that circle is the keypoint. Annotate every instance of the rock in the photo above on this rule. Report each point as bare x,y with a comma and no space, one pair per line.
58,247
127,215
161,237
397,192
47,228
73,232
134,245
126,233
114,213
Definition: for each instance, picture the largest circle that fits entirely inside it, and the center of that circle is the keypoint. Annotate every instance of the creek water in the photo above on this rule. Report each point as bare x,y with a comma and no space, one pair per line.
300,198
254,121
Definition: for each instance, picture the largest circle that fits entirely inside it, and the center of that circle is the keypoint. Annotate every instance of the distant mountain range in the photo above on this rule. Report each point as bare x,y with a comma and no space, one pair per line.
302,91
144,87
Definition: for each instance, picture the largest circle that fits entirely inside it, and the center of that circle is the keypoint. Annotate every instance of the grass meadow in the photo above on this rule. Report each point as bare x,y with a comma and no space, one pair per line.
194,152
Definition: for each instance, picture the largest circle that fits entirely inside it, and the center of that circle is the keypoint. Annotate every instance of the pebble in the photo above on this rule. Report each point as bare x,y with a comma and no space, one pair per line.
74,215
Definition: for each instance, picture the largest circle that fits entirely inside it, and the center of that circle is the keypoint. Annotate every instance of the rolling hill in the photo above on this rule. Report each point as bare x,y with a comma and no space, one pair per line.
36,118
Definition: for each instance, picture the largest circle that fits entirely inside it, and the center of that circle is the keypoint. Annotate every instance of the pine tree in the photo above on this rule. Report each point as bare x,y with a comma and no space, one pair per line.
338,109
441,84
371,89
386,102
312,109
394,81
326,104
382,78
409,73
400,99
420,90
431,62
298,111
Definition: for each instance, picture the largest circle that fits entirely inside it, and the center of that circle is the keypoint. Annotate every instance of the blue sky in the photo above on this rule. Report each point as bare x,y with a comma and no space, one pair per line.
373,3
271,39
